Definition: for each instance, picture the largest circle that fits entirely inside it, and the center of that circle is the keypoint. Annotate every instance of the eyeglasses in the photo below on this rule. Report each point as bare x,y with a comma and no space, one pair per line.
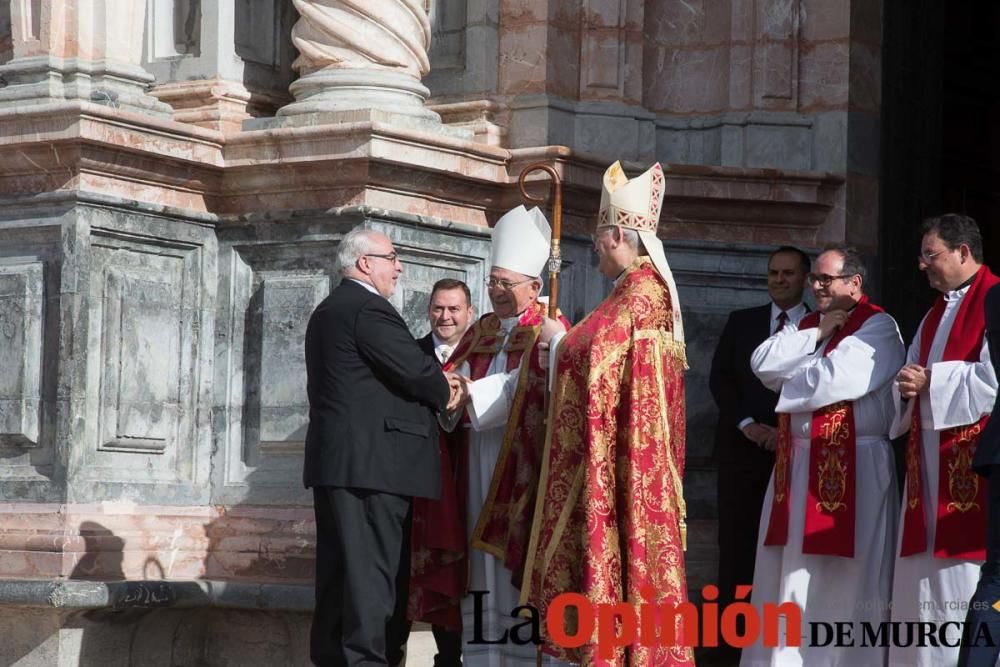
392,257
926,257
825,280
506,284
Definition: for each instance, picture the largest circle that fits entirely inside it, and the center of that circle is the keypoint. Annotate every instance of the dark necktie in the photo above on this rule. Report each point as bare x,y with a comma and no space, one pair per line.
782,318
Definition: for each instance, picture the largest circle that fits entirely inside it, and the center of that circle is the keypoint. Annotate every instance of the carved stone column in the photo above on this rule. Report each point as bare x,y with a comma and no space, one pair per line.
359,55
78,50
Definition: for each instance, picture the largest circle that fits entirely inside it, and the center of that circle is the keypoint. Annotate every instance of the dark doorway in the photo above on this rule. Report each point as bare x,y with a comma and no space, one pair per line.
940,135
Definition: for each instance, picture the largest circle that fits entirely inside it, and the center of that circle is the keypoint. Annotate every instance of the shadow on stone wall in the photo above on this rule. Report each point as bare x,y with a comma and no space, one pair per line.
105,552
260,560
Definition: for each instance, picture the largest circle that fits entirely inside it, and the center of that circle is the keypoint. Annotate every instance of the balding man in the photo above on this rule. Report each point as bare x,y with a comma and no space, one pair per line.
371,446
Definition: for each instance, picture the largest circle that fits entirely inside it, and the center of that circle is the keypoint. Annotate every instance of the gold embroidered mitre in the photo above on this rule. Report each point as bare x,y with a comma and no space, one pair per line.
635,204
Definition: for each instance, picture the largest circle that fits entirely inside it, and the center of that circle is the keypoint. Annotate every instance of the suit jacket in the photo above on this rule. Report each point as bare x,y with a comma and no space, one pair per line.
988,448
736,390
426,344
372,393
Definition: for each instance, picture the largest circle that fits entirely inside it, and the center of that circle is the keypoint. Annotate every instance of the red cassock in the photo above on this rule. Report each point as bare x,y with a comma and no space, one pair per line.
609,519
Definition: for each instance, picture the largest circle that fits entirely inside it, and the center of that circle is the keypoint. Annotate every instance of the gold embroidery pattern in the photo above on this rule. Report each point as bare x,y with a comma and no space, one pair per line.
781,458
963,482
832,486
609,512
913,480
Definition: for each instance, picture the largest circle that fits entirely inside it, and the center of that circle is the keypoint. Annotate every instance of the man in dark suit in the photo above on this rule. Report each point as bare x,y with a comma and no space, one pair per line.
371,446
746,432
449,313
981,643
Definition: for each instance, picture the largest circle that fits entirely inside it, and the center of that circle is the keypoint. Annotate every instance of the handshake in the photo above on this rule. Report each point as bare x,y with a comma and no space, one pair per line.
459,385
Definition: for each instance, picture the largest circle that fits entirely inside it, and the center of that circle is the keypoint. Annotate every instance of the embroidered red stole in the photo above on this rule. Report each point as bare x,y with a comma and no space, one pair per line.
439,550
831,496
961,505
504,525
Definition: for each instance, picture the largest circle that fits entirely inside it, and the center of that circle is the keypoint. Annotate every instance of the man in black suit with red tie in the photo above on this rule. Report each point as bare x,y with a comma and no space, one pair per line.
371,446
449,313
747,427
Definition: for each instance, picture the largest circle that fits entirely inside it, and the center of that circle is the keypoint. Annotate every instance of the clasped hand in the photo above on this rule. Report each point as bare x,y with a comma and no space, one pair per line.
763,435
912,378
831,321
459,385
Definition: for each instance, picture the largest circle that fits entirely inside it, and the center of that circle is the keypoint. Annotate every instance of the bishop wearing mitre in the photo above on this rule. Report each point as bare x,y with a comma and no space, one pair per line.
609,516
503,424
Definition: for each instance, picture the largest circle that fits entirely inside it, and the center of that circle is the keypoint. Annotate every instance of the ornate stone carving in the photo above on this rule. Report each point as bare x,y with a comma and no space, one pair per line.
361,57
362,34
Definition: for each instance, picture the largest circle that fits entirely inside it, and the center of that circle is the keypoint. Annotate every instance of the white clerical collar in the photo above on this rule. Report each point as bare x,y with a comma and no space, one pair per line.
508,323
957,294
370,288
794,314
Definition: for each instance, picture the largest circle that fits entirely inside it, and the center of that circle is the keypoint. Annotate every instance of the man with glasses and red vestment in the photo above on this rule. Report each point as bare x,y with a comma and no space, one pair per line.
944,395
503,421
829,520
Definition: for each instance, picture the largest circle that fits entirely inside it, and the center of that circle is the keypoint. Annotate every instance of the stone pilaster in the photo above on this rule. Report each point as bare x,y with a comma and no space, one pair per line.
219,62
78,50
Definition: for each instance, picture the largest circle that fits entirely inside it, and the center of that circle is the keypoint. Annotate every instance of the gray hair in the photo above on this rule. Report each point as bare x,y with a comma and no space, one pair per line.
357,242
631,238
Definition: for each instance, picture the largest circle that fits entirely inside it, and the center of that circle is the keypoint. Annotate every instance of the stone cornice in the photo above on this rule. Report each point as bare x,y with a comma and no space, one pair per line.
90,148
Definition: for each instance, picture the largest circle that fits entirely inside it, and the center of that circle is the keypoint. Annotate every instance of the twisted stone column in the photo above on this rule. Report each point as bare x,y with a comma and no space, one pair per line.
361,54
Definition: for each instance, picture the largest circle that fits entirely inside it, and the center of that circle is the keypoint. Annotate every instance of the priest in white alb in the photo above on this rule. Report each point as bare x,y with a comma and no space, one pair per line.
829,520
504,423
943,397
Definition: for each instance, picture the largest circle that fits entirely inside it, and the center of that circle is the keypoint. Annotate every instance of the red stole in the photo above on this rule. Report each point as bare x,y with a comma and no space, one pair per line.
439,567
831,497
961,505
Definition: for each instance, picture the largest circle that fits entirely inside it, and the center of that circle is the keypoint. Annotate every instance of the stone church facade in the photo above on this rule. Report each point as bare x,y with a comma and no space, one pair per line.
176,175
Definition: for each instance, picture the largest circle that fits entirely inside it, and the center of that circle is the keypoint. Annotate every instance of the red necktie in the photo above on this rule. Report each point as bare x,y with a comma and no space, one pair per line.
782,318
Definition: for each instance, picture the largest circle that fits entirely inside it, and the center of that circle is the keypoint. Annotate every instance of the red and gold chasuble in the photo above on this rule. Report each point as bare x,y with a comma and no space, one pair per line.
609,520
439,567
961,510
830,496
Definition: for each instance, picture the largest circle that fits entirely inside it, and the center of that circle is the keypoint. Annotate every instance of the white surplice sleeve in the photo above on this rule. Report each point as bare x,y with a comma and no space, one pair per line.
490,399
861,363
782,355
903,410
961,392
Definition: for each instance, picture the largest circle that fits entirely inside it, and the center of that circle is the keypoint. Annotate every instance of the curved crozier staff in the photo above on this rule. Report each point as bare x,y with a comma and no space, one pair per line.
555,255
555,258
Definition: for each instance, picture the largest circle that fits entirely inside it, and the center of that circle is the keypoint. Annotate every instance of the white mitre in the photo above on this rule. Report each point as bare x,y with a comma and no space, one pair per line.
521,240
635,204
